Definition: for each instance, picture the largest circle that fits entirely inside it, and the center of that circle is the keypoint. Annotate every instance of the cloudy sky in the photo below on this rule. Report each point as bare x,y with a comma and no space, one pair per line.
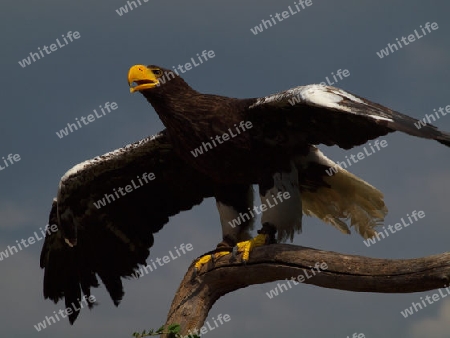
39,99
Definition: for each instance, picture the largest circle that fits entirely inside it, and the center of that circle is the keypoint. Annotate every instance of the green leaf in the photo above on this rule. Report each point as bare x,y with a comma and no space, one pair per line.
174,328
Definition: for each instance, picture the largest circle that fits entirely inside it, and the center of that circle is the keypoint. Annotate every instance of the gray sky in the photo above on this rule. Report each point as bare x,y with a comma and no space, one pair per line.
40,99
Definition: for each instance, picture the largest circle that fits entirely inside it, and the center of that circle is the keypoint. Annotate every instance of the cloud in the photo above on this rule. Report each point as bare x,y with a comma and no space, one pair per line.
438,327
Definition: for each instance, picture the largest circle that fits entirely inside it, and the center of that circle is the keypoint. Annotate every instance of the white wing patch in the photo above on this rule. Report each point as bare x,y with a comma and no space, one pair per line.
320,96
325,96
375,117
77,168
274,99
81,166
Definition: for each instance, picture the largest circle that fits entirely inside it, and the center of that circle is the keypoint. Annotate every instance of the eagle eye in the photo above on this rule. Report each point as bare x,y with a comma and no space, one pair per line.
157,72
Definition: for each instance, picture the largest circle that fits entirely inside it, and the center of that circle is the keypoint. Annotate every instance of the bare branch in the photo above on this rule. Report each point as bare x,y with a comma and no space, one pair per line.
197,294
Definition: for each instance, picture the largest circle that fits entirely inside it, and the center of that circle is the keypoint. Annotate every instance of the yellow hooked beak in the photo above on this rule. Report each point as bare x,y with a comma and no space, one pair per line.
142,77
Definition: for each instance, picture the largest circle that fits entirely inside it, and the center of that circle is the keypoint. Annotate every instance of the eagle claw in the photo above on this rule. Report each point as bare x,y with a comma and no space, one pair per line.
209,258
245,247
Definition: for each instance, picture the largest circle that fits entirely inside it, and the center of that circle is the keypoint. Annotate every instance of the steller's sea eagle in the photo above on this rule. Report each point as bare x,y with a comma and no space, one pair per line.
276,150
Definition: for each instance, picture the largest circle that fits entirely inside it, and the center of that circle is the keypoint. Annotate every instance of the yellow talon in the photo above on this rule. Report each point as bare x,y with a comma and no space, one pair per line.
247,246
205,259
242,247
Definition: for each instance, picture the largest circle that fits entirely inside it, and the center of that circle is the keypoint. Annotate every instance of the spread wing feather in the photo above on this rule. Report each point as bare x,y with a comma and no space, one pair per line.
317,114
327,115
109,242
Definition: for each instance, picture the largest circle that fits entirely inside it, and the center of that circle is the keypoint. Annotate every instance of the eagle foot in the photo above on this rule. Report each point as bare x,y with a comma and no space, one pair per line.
265,236
211,256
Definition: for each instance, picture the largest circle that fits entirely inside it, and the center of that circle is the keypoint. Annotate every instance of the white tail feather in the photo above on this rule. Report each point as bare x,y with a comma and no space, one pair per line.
348,198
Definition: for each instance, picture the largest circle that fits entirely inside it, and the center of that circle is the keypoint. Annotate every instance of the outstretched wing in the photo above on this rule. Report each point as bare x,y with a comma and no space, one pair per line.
327,115
140,186
318,114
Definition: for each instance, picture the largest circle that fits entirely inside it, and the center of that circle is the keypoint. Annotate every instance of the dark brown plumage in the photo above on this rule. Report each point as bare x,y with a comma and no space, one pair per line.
277,153
280,130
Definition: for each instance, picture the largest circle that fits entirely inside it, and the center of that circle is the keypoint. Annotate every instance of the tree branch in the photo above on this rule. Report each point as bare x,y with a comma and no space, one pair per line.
197,294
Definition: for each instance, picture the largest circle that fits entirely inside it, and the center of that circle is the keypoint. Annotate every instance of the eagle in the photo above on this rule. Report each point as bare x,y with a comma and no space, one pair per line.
214,146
